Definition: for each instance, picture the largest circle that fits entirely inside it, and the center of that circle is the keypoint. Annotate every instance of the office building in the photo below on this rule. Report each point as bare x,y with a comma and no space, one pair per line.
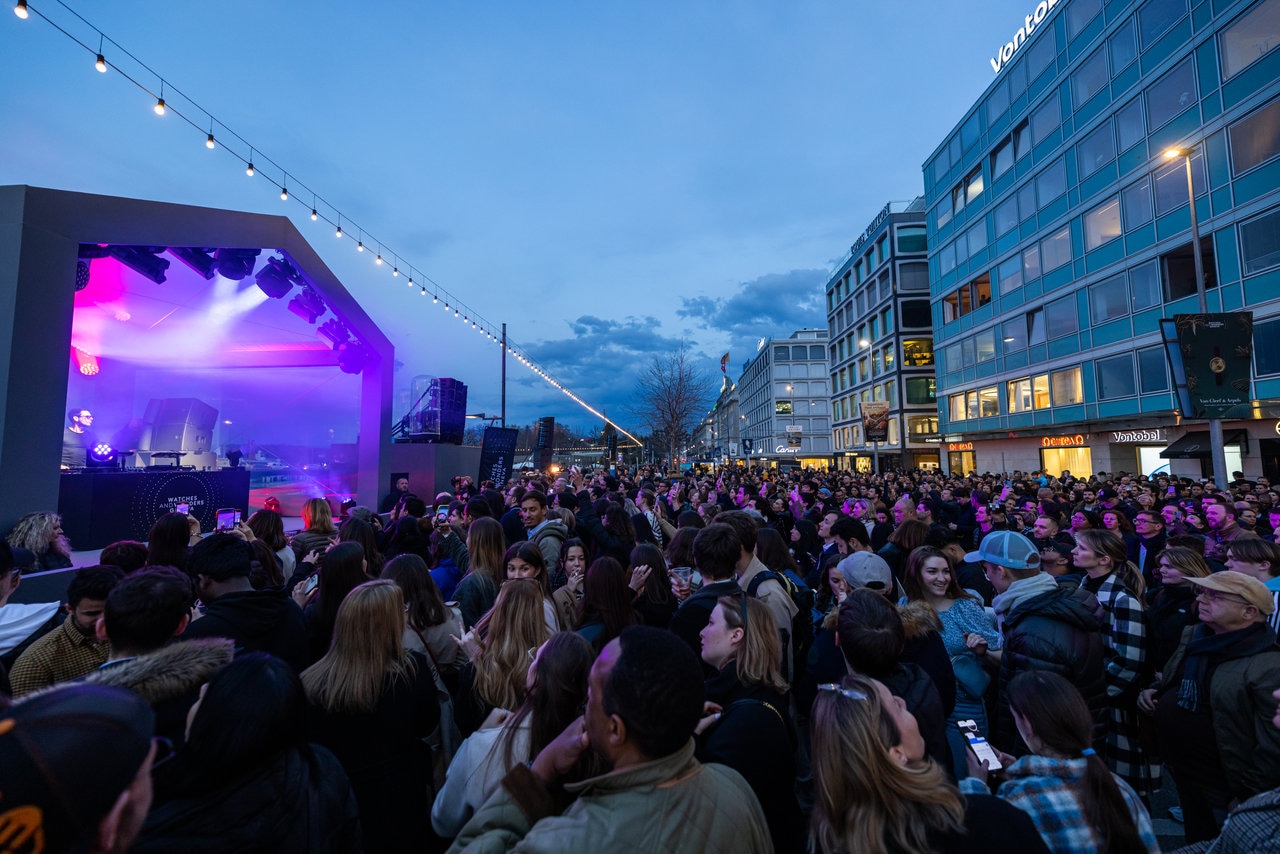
1060,234
783,395
881,347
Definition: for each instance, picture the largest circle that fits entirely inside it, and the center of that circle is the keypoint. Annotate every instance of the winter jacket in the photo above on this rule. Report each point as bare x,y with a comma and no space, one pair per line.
258,621
291,804
1058,631
915,687
673,803
754,737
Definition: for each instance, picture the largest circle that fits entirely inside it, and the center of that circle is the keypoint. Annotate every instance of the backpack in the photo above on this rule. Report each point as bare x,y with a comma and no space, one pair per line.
800,632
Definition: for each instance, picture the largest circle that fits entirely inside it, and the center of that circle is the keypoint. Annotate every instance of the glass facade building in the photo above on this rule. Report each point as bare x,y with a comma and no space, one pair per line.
881,343
782,402
1059,235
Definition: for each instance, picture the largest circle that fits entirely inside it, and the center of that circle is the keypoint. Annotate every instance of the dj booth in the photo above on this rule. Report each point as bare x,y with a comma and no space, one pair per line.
99,507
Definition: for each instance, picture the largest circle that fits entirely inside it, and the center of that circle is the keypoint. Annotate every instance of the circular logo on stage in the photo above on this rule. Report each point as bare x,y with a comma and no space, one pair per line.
162,495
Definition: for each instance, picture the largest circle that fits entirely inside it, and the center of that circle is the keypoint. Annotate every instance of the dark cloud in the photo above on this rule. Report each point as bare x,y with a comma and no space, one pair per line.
773,305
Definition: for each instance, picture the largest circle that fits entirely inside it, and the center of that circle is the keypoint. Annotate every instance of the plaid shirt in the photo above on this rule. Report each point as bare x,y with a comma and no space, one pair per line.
1047,790
64,653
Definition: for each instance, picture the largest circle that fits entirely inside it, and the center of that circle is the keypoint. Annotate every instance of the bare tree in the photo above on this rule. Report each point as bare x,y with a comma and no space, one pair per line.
671,395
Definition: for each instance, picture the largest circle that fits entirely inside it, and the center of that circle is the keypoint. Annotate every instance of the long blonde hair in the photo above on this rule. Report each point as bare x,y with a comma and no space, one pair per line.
486,546
514,625
32,533
864,800
367,646
317,516
759,655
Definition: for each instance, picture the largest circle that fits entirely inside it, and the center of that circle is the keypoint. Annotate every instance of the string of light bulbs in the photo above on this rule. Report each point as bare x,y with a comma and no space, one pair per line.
290,187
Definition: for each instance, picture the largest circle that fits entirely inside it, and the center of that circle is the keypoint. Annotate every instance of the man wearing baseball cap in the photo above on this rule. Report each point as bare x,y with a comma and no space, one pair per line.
1213,704
1045,626
75,770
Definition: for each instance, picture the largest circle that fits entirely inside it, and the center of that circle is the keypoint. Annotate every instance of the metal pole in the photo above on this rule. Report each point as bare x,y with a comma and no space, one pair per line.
503,418
1216,444
875,458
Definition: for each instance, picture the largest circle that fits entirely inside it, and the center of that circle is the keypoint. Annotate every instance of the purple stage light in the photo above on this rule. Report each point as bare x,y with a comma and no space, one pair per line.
307,305
276,278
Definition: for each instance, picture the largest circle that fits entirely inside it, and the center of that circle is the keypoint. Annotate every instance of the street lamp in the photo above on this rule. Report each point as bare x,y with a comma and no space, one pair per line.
1216,445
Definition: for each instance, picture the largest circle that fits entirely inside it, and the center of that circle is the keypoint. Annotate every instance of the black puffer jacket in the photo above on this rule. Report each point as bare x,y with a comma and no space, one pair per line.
1058,631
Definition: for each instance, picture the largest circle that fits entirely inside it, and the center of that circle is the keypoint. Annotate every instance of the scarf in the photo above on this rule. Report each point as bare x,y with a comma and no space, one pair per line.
1206,651
1023,588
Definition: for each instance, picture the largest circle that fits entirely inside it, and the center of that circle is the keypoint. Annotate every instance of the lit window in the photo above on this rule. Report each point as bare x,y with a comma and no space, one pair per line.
1102,224
1055,250
1067,388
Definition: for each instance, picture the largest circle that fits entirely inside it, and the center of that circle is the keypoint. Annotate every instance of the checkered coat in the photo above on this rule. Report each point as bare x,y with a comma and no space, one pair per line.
1125,634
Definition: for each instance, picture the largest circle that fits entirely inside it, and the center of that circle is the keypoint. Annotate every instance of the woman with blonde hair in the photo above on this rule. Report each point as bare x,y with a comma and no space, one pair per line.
1118,586
317,531
372,703
41,534
481,559
501,649
876,793
747,724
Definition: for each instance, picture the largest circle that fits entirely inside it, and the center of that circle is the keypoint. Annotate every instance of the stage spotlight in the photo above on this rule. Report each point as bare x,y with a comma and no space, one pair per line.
86,363
142,259
332,333
82,275
197,259
276,278
308,305
235,264
352,357
102,452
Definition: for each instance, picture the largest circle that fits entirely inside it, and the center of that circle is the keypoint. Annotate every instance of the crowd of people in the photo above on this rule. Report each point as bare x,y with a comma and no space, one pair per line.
745,660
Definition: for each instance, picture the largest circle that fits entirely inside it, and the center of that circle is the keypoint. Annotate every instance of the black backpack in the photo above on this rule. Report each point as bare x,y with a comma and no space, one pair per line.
800,632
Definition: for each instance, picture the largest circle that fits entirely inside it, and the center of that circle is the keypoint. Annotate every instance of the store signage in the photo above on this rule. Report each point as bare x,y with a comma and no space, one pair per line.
873,228
1132,436
1061,441
1030,24
959,446
783,449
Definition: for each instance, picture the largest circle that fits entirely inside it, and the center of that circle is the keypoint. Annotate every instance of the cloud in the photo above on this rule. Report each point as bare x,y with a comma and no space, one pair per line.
773,305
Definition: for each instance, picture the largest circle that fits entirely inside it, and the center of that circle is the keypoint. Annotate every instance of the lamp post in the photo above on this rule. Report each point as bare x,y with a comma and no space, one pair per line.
864,344
1216,445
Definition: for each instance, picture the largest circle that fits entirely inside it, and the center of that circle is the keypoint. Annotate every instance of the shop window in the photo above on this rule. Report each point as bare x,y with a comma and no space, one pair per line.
1067,387
1260,242
1255,139
1250,38
1075,461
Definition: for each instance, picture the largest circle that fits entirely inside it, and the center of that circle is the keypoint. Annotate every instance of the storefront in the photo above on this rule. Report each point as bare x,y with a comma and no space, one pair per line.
961,458
1139,450
1066,453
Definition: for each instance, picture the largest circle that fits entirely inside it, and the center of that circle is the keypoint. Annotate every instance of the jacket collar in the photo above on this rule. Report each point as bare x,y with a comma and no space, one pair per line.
656,773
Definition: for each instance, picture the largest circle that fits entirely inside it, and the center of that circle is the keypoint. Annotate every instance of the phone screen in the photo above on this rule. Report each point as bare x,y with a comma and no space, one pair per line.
227,519
182,508
442,512
979,745
312,581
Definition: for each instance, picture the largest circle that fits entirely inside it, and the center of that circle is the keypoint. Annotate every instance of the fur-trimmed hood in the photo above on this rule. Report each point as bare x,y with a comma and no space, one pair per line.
918,619
170,671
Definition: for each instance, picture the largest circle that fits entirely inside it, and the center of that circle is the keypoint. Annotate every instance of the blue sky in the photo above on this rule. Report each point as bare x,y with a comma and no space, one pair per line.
609,179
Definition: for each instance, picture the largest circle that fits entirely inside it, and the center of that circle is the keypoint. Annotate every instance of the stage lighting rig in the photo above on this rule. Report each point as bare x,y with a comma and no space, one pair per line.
277,278
197,259
308,305
352,357
333,333
142,259
235,264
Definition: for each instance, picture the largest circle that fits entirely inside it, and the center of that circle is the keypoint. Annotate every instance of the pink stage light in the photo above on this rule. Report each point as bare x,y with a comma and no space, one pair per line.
86,362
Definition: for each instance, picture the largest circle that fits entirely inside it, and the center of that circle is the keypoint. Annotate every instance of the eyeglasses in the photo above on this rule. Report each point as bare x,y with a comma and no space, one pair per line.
837,688
1216,595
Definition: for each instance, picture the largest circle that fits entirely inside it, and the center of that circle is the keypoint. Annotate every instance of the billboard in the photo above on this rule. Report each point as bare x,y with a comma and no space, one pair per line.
1217,357
875,420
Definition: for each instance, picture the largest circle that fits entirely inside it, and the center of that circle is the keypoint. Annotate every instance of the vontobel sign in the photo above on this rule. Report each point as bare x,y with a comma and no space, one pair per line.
1030,24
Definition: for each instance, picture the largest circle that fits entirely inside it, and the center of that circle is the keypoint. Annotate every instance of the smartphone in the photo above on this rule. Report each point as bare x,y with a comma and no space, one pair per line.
182,508
228,518
442,513
313,581
979,745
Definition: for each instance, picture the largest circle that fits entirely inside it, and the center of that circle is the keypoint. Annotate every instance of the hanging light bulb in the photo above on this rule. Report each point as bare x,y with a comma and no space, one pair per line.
360,246
21,9
209,143
159,107
395,271
314,215
339,231
435,298
424,291
249,171
378,260
411,284
284,193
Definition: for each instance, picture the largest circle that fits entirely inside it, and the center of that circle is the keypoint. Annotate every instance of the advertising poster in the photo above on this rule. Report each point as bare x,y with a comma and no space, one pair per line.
875,421
1217,355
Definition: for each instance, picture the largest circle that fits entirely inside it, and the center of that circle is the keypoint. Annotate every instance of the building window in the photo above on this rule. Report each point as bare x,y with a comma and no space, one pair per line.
956,409
915,314
984,345
1173,94
1066,386
1153,375
1266,348
920,390
1031,263
942,213
1052,182
1079,14
998,101
1046,118
1109,299
781,354
1007,216
917,352
913,276
1090,79
1035,326
1255,139
1171,183
973,185
1124,46
1009,274
1061,318
1115,377
1260,242
1002,159
988,402
1028,393
1144,285
922,425
1042,53
1096,150
1055,250
1130,127
977,237
1250,38
1027,201
1157,17
1014,334
911,238
1136,204
1102,224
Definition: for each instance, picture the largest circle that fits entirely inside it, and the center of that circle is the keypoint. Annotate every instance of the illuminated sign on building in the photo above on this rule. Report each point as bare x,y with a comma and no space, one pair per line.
1061,441
1030,24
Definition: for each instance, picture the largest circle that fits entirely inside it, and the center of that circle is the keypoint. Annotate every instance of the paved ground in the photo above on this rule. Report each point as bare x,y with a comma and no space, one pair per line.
1168,831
